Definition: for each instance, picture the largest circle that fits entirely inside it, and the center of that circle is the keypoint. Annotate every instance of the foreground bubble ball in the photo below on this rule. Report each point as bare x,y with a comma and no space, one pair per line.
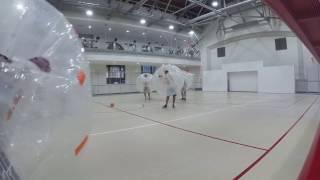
44,94
168,80
144,82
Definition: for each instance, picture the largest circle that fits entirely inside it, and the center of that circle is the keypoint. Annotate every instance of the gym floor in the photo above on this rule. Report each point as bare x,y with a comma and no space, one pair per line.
210,136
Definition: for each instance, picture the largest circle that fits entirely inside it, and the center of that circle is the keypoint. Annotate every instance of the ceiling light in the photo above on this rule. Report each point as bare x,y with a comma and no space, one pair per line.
127,31
109,29
191,32
89,12
160,36
215,3
184,40
89,26
175,39
19,6
171,27
143,33
143,21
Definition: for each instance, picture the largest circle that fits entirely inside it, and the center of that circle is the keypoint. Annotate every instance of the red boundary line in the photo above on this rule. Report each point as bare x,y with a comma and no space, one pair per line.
275,144
197,133
190,131
311,165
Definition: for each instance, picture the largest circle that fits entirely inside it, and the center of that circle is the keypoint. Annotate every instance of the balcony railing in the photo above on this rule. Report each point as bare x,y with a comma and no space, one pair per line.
195,56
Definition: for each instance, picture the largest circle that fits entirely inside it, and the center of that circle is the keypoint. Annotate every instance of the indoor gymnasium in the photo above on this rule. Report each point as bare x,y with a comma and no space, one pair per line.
159,90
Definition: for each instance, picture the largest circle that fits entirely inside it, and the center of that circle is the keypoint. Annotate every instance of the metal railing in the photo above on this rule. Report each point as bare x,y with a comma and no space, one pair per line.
154,53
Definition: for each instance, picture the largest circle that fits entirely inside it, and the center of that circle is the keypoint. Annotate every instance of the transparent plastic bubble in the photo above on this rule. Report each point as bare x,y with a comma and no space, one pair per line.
144,82
44,92
168,80
188,79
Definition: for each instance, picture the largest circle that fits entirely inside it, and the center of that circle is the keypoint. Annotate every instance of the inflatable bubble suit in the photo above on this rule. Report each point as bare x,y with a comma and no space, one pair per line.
44,92
164,83
188,79
144,80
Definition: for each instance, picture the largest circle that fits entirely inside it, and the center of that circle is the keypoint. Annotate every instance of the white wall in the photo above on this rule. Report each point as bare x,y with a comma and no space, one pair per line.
98,78
276,79
209,37
257,49
99,85
197,78
309,80
245,81
216,80
256,43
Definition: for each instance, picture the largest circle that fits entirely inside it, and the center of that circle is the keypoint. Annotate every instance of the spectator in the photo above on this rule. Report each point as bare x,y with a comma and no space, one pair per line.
149,48
134,45
114,44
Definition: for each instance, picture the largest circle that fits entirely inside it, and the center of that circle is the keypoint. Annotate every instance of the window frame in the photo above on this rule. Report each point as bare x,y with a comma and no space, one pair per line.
281,44
116,80
221,50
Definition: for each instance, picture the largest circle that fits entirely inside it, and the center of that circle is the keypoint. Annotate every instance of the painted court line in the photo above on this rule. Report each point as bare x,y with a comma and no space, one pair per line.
275,144
179,119
123,130
154,124
175,127
197,133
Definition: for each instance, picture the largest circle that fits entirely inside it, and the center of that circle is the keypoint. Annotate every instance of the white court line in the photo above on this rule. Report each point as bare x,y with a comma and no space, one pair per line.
122,130
174,120
153,124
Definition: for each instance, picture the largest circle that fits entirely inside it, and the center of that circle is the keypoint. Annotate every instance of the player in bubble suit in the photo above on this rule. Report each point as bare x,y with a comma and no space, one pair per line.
144,84
184,91
146,89
168,80
188,79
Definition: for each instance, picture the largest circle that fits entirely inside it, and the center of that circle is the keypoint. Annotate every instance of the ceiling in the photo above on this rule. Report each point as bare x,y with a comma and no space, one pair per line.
183,8
122,15
157,12
109,31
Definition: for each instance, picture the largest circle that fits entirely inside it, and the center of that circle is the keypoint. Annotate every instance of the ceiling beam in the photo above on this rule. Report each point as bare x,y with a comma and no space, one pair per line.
155,4
202,5
165,11
199,13
220,11
184,8
136,6
205,6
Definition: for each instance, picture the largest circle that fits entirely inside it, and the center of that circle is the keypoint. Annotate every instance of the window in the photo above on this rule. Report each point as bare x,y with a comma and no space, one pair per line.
116,74
281,44
221,52
148,69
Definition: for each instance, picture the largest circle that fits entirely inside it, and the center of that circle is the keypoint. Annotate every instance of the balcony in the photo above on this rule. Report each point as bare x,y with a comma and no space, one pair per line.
185,56
97,46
